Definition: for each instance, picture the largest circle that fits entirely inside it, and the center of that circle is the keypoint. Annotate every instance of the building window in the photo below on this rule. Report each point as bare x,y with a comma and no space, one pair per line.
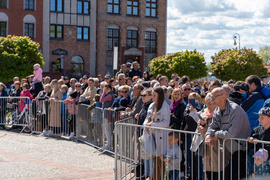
132,38
133,7
113,7
3,3
150,42
3,29
76,66
83,7
29,4
112,39
82,33
56,5
56,31
29,30
151,8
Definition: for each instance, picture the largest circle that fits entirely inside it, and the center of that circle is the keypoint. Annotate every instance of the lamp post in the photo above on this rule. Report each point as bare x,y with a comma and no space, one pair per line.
234,38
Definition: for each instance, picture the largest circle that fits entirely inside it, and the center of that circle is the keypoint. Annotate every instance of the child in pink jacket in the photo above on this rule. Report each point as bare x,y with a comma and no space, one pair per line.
38,75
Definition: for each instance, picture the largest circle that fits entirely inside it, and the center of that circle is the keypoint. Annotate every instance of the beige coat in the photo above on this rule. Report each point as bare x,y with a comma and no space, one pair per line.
55,109
90,93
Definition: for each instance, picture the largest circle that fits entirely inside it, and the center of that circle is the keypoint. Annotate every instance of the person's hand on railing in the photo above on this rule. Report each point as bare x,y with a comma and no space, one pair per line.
209,140
251,140
128,109
137,116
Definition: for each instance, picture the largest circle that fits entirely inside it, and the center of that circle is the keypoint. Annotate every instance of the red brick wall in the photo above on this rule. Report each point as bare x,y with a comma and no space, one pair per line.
16,13
123,21
74,48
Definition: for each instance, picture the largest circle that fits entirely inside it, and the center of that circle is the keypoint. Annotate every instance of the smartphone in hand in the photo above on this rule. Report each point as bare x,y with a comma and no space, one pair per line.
192,102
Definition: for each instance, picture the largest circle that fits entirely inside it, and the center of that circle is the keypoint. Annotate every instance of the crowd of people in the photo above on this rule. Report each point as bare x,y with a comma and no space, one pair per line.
216,111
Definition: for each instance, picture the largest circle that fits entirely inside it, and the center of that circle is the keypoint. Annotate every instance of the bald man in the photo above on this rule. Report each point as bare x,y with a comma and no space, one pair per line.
229,121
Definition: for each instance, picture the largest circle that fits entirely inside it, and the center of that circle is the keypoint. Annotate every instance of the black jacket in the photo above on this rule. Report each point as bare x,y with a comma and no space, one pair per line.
133,73
260,134
15,92
177,118
188,123
38,88
143,112
236,97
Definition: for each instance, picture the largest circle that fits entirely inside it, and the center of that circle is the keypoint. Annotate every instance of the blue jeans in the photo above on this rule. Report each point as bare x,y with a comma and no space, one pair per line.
192,162
173,174
250,161
148,167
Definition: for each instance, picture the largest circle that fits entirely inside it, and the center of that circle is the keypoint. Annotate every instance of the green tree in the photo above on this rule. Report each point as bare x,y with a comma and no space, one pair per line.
237,64
190,63
17,56
264,52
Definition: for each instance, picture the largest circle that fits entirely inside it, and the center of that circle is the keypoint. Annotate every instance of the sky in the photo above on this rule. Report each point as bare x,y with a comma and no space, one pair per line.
209,25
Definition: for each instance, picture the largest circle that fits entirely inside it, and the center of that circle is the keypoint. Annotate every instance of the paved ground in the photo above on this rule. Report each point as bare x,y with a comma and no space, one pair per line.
36,157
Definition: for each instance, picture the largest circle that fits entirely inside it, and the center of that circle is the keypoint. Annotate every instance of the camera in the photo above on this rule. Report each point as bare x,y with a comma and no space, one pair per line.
243,87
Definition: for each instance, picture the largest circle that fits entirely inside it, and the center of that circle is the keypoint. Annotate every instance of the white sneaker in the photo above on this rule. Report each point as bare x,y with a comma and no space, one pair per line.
44,133
49,133
71,136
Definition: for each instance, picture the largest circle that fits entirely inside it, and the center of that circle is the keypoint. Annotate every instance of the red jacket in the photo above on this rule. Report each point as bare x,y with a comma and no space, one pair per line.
22,101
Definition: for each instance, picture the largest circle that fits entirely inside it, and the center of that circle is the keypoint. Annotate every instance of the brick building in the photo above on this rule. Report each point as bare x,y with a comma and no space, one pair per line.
80,35
22,18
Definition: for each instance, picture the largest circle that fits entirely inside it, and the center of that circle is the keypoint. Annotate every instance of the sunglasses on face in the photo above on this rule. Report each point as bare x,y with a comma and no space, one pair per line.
124,91
144,95
77,86
106,78
187,89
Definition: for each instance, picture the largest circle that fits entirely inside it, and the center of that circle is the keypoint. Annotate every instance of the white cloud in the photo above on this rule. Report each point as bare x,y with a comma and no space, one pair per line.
209,25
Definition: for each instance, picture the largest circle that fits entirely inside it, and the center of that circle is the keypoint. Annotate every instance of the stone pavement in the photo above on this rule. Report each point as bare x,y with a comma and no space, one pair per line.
36,157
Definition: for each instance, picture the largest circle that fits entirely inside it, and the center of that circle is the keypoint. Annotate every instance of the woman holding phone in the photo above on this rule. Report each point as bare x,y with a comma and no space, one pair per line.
189,124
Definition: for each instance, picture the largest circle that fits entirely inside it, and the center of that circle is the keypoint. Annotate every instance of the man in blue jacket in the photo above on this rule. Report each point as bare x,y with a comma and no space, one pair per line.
254,99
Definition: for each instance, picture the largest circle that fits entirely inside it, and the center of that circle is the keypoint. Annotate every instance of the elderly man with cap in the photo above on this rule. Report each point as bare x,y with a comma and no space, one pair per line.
229,121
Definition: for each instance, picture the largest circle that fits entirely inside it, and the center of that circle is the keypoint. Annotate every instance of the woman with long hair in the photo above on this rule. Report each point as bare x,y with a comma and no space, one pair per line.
177,109
146,76
158,115
55,108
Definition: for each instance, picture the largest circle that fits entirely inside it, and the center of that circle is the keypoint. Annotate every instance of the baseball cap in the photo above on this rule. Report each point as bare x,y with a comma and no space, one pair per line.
262,154
264,111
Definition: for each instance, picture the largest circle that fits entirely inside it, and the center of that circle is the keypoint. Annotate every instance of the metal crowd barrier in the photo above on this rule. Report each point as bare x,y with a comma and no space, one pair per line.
16,111
53,118
136,156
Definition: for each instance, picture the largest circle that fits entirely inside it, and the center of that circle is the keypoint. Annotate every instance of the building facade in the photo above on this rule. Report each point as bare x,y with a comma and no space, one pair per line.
136,27
22,18
79,36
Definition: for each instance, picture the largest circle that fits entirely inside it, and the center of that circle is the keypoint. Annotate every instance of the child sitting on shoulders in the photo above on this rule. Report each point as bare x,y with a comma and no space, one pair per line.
37,75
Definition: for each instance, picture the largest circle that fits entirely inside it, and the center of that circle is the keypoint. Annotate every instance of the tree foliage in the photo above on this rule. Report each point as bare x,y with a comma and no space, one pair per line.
190,63
17,56
237,64
264,52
